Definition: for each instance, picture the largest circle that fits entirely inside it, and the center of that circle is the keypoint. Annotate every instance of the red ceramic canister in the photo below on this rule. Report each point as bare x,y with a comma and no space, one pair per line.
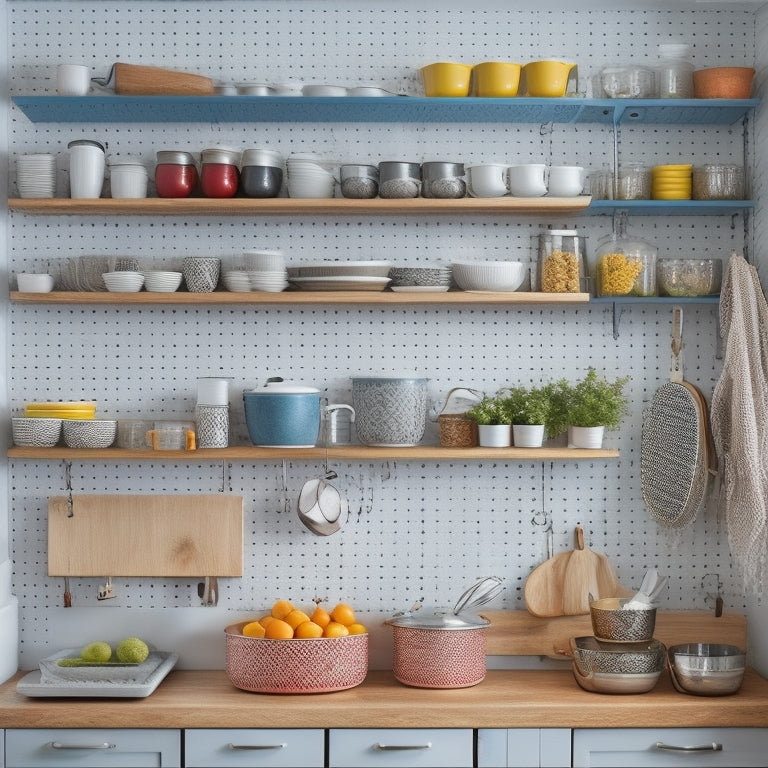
219,176
175,174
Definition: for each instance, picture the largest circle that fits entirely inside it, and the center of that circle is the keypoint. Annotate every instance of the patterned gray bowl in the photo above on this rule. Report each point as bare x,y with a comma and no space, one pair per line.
611,622
423,276
93,433
592,655
36,432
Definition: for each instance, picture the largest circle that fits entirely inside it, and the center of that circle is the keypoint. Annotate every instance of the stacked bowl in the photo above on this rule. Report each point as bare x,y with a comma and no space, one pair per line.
420,278
257,271
162,281
671,182
64,410
36,175
307,178
123,282
37,432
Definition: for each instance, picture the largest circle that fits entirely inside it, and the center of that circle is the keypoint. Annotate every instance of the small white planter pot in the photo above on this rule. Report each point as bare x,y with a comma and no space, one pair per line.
585,437
528,435
494,435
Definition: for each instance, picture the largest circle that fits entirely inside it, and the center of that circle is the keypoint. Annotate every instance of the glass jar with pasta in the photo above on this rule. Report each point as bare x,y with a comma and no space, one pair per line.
625,266
560,263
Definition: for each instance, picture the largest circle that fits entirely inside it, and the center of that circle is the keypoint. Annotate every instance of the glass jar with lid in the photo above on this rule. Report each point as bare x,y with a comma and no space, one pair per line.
675,71
625,265
560,262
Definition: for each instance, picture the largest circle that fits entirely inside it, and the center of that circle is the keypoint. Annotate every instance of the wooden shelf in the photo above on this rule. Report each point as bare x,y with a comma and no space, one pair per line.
343,452
287,206
298,298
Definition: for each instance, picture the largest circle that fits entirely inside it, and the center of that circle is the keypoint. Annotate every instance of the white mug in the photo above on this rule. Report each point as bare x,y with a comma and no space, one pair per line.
487,180
87,163
566,180
73,79
528,180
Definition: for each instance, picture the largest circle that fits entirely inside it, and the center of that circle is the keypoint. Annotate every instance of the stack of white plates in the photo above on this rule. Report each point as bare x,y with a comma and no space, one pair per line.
36,175
236,280
308,178
161,281
272,281
123,282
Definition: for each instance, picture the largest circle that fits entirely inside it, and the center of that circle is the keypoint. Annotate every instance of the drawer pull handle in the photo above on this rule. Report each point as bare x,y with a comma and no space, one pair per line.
396,747
713,747
104,745
256,746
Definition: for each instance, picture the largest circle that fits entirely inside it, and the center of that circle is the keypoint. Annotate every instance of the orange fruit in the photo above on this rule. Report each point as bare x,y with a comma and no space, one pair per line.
308,629
253,629
281,608
264,620
295,617
321,616
334,629
278,630
356,629
344,614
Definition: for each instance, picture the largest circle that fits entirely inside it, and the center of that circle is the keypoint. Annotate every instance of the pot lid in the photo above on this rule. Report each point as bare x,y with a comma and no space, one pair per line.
462,615
175,157
85,143
278,386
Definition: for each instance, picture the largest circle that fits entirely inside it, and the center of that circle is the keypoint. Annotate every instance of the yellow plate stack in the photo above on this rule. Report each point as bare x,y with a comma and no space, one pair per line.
671,182
73,410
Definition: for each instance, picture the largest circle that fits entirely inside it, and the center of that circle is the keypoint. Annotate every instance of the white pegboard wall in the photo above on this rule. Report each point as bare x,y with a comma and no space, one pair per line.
416,530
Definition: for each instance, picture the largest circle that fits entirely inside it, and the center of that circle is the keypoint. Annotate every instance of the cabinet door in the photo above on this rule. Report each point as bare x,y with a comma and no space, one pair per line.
524,748
96,748
404,747
662,747
292,748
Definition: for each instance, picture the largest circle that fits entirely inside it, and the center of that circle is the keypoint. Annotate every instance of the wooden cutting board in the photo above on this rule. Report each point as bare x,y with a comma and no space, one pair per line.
146,535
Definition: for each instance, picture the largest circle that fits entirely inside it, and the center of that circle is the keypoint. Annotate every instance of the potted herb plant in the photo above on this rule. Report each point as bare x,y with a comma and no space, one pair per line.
529,413
595,405
493,421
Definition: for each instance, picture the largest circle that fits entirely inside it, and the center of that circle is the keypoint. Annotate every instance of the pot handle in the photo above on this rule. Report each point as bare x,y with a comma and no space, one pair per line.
475,392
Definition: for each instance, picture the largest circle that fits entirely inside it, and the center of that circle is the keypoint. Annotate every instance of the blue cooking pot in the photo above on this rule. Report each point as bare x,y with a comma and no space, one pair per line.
283,415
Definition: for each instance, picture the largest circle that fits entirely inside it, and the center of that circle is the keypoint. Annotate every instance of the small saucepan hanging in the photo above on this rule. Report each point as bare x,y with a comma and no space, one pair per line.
674,456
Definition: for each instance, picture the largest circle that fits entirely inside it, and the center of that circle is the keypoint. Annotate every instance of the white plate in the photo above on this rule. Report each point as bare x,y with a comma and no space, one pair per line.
420,288
341,283
31,685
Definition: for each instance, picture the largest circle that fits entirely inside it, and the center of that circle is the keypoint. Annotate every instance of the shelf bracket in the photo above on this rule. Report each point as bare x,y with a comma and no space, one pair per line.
618,308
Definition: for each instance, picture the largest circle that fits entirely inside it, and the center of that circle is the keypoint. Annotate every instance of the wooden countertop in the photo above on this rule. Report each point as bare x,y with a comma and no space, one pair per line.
505,699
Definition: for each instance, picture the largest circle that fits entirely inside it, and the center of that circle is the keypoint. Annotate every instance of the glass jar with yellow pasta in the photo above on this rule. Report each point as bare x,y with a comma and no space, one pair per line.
560,263
625,266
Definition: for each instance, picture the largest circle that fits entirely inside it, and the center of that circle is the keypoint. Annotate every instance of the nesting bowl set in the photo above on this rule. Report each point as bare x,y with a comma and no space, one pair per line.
45,424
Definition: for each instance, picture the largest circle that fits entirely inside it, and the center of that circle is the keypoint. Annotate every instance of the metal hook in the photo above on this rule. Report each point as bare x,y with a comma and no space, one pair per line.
68,488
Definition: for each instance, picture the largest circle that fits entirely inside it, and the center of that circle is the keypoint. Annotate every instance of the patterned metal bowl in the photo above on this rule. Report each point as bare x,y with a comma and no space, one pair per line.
611,622
316,665
592,655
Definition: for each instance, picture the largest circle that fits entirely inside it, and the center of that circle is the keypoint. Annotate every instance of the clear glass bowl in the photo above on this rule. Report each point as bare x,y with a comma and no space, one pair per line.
689,277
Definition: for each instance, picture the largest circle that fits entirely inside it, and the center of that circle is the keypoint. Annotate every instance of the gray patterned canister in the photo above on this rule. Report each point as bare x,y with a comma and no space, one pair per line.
390,412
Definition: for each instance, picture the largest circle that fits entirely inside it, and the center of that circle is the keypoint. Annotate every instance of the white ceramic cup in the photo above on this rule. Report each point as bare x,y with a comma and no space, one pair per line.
86,169
128,181
487,180
566,180
35,282
529,180
73,79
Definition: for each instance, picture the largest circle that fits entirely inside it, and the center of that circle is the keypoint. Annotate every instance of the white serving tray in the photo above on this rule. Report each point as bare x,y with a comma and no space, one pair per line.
31,684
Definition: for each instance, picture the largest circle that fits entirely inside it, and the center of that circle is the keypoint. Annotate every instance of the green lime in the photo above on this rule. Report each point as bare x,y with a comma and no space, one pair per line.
132,650
99,651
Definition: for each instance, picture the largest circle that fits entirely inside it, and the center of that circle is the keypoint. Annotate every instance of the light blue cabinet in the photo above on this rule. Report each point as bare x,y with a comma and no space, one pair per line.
670,747
268,747
92,748
524,748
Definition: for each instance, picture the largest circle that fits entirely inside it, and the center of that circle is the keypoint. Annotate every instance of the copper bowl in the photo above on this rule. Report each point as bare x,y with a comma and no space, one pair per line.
610,621
723,83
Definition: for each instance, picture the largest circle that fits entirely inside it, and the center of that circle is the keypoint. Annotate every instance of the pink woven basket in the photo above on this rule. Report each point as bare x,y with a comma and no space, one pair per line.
439,658
317,665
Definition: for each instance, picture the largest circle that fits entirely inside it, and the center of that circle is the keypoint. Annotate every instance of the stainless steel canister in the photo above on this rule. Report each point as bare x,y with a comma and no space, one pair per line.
399,179
443,180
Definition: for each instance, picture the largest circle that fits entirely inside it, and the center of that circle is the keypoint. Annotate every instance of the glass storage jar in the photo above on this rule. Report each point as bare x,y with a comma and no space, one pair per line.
634,182
560,262
625,265
717,182
675,71
175,174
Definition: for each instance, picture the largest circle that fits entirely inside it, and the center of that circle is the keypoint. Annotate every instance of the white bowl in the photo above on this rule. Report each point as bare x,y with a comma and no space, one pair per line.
95,433
161,281
123,282
29,282
489,275
37,432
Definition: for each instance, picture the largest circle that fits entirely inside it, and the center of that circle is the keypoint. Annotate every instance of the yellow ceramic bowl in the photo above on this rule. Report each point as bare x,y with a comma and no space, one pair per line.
671,168
657,195
547,78
496,78
446,78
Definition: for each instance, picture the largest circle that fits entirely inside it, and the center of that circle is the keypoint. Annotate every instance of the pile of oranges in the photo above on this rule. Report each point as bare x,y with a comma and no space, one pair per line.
286,622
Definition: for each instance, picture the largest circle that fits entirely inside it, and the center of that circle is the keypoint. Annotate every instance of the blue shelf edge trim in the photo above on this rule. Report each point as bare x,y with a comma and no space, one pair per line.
714,299
389,109
669,207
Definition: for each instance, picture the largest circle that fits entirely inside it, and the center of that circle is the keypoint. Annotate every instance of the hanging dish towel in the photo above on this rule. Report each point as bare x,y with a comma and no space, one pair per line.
740,419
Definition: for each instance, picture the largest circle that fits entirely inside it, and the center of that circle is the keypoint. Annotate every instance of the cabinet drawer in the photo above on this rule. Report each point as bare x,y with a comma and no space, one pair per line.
662,747
405,747
523,747
275,748
96,748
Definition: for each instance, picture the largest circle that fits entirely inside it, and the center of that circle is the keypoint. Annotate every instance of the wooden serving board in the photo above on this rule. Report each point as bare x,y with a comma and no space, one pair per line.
146,535
518,633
